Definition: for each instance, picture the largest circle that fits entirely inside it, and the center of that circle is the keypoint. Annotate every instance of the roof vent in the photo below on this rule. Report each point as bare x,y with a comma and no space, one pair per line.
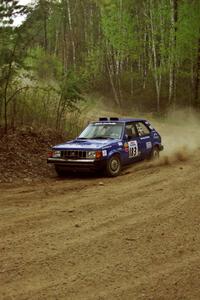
114,119
103,119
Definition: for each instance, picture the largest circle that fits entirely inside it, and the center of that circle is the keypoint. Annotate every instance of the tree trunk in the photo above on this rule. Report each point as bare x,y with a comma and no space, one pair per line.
14,112
173,65
197,79
71,33
6,92
44,10
5,117
64,44
157,76
110,73
145,57
45,32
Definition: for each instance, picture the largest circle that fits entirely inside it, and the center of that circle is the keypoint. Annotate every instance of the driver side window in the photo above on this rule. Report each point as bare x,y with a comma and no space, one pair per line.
130,130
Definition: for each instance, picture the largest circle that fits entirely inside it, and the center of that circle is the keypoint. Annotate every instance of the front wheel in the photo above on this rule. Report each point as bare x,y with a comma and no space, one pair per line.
60,172
113,166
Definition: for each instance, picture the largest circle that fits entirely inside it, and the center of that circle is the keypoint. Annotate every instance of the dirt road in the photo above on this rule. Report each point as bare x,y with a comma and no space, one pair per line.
132,237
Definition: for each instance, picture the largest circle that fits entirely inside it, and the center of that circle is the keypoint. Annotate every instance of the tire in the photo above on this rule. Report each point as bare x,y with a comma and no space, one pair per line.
155,154
60,172
113,166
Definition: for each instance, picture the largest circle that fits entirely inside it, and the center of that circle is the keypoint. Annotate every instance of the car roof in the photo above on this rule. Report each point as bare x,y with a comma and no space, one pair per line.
119,120
132,120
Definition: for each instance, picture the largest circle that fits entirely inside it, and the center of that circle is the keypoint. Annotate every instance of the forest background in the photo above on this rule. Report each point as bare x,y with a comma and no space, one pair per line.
135,55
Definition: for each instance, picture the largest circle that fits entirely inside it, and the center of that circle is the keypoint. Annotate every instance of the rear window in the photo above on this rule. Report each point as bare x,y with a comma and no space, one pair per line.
142,129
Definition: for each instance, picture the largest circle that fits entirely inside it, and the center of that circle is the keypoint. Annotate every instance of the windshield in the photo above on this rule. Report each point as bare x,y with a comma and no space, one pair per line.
102,131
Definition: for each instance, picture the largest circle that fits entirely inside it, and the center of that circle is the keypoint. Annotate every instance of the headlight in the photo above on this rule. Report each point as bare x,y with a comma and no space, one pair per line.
56,153
91,154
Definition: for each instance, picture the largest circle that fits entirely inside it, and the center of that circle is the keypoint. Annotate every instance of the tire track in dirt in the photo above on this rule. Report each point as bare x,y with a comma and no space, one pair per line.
62,213
135,237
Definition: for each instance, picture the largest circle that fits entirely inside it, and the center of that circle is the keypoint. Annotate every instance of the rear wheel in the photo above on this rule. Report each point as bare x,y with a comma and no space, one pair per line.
155,154
113,166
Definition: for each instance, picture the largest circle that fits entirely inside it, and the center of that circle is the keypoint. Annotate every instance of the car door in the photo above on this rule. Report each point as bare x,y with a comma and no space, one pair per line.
132,143
145,139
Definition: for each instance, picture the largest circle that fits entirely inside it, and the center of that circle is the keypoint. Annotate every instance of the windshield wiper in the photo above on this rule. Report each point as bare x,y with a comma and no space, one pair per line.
95,138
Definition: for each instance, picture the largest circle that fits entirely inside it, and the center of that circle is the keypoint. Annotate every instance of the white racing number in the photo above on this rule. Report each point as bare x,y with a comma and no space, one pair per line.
133,149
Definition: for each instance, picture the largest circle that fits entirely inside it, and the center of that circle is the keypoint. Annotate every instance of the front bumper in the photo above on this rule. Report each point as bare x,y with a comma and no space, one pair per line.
78,164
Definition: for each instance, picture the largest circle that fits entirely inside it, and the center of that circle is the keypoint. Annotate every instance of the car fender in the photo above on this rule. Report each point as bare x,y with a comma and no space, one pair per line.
157,144
114,151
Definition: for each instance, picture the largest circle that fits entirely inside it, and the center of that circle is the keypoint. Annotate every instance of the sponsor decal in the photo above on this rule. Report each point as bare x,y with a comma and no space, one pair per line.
148,145
120,144
104,152
133,149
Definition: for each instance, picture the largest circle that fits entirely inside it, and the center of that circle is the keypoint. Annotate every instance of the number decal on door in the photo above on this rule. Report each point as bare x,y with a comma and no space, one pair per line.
133,149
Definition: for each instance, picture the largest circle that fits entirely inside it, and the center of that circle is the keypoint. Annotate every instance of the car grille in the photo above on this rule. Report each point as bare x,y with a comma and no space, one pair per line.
73,154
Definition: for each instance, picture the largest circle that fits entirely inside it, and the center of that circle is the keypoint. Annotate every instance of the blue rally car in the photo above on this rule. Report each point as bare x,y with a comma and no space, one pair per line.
107,144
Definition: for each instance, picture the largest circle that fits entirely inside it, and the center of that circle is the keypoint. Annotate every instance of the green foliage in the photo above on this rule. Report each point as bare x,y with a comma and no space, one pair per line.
70,91
125,47
188,30
118,28
91,72
44,65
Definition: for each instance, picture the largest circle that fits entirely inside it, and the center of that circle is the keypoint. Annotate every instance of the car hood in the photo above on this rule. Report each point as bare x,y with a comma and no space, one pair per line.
86,144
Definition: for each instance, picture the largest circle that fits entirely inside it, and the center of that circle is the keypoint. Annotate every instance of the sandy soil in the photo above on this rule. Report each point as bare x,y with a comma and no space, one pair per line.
132,237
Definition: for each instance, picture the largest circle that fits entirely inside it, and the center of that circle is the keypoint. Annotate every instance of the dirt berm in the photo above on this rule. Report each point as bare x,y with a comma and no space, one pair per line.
131,237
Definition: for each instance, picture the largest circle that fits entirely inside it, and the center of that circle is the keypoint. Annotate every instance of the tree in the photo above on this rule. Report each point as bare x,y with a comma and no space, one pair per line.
10,9
70,94
145,52
11,53
119,43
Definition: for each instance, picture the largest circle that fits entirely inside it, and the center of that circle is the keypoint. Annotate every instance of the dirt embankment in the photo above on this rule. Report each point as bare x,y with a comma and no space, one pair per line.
23,154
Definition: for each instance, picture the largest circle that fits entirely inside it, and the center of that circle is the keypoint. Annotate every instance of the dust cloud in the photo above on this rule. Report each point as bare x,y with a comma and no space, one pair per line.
180,132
